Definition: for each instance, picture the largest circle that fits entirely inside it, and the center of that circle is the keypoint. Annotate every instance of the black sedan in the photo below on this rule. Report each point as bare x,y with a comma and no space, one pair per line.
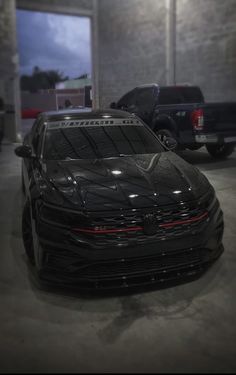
108,205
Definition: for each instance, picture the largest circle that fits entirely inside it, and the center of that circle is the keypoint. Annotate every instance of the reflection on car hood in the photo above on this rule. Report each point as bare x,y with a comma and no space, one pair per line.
135,181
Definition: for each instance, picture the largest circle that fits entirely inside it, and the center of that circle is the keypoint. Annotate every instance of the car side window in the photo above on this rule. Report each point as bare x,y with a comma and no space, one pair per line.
145,98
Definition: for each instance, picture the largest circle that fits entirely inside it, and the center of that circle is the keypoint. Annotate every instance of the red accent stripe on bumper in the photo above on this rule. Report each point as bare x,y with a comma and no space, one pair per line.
197,218
104,231
167,225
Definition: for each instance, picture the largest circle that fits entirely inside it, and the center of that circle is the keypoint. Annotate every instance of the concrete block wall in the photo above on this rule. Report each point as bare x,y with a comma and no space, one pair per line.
7,41
131,40
9,81
206,46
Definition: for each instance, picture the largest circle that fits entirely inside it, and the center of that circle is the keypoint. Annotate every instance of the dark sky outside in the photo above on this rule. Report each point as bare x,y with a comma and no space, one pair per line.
52,41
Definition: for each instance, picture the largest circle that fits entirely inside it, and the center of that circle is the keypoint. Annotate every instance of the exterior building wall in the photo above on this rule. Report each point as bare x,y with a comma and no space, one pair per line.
52,100
206,46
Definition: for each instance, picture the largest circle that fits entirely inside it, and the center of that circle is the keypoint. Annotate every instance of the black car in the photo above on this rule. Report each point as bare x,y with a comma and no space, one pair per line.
108,205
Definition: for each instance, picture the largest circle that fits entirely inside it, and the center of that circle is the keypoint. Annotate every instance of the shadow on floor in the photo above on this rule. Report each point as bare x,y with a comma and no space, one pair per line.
205,161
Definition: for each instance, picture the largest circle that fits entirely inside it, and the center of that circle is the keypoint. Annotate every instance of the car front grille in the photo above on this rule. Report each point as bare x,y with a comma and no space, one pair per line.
126,228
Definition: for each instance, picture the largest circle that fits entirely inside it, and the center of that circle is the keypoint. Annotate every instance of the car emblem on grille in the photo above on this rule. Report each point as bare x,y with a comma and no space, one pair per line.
150,224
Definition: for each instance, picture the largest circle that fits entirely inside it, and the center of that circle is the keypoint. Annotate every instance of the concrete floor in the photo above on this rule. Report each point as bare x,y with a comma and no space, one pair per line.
187,328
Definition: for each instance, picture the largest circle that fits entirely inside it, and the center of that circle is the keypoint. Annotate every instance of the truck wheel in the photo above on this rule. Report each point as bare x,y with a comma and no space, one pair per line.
220,151
27,233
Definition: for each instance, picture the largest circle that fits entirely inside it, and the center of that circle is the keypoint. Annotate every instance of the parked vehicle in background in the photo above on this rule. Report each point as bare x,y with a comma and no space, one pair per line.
30,112
78,108
180,111
109,206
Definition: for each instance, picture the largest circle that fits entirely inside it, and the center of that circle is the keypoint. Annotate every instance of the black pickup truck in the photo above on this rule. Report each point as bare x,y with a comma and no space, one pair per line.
181,112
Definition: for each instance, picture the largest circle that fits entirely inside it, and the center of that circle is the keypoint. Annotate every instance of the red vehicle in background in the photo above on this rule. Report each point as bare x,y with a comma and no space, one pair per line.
30,112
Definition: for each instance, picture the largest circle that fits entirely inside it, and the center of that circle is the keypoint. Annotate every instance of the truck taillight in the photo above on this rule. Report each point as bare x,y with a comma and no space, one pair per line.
197,119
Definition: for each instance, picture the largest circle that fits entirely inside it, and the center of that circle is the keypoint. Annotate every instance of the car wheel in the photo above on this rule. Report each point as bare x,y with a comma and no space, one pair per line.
220,151
27,233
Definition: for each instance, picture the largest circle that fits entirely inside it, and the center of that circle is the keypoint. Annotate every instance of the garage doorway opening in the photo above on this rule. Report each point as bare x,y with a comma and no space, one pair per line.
55,62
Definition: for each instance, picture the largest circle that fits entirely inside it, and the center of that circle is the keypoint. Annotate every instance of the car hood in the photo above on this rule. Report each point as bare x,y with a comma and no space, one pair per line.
126,182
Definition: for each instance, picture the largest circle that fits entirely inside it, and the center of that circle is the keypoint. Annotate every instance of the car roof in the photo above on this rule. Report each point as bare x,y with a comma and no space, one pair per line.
80,114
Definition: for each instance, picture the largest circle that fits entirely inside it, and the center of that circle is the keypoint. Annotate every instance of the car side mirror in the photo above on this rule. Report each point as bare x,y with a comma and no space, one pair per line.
113,105
24,151
170,143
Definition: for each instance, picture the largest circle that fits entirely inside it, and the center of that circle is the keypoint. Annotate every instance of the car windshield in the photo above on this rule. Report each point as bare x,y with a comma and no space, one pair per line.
65,141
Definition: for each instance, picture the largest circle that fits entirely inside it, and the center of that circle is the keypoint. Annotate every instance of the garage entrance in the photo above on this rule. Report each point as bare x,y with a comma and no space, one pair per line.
54,62
10,64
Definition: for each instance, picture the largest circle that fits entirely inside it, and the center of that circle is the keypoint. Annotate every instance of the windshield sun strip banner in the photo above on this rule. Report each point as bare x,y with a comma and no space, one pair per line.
92,123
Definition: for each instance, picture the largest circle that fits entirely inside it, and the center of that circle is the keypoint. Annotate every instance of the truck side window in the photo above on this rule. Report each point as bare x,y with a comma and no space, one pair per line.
170,96
127,100
145,98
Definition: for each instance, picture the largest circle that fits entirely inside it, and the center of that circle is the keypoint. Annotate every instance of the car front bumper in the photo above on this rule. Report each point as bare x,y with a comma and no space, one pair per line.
66,260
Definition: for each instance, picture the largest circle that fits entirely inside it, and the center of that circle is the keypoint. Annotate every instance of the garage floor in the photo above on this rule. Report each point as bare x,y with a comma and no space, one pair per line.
190,327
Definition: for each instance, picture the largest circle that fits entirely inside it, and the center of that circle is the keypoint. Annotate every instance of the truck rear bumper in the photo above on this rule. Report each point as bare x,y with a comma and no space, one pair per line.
214,138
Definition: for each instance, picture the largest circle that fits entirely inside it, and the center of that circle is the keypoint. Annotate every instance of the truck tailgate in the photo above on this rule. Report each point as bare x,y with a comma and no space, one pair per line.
220,117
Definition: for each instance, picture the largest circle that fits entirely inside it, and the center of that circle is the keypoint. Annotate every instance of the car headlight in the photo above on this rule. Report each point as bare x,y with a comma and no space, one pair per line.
59,216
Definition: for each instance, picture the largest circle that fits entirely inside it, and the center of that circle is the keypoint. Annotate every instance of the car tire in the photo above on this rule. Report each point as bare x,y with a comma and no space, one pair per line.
220,151
27,233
